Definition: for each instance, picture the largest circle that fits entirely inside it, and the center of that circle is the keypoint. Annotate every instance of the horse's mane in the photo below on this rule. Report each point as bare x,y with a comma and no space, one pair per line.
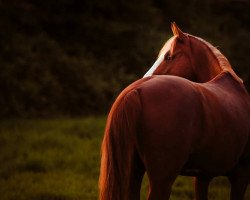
222,60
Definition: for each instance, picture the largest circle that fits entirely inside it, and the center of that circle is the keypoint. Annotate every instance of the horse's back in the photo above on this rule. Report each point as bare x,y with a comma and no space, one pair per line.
203,125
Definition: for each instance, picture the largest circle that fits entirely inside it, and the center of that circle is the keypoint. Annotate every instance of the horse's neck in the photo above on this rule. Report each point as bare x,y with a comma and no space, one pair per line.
206,66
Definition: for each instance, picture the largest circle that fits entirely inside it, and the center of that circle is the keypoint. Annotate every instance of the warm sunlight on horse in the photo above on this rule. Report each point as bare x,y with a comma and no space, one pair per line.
189,115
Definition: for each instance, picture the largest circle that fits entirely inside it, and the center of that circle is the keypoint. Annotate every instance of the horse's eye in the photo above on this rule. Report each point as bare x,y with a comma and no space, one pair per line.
169,58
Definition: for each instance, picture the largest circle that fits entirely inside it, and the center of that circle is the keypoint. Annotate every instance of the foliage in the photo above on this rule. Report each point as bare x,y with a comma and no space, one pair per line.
71,58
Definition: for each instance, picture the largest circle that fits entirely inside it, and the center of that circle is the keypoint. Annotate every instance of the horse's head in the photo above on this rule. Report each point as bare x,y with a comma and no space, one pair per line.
189,57
174,57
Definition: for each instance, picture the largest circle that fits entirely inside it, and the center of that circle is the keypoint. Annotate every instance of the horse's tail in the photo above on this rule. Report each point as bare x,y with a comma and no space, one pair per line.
118,145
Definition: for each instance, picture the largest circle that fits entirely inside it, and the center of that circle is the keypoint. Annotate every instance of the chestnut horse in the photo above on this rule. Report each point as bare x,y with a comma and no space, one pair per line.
193,121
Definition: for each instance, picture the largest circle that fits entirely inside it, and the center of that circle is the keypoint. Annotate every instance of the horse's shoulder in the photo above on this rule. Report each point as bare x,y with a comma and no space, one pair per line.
227,81
224,93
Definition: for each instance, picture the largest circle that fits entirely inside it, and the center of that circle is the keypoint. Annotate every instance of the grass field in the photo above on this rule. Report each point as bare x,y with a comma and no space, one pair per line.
59,160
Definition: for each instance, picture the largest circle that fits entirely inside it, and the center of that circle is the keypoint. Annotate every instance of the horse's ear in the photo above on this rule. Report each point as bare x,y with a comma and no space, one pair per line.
177,31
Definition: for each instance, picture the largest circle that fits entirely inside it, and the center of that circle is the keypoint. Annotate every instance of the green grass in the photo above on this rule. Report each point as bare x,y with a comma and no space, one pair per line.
59,160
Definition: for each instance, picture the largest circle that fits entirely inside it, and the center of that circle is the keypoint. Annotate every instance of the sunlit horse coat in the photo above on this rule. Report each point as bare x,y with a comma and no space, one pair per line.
169,125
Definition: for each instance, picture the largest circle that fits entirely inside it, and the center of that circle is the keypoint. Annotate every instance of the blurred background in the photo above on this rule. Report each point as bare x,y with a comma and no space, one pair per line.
63,62
72,57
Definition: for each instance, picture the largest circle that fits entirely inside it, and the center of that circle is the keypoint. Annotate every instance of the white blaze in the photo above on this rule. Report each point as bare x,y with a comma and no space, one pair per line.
164,50
155,65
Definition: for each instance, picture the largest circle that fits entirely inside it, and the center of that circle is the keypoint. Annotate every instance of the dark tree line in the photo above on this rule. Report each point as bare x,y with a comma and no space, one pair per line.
72,57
